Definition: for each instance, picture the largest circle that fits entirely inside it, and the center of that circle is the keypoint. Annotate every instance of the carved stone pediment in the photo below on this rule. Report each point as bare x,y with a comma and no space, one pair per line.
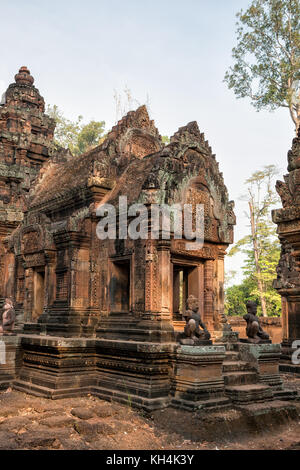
31,242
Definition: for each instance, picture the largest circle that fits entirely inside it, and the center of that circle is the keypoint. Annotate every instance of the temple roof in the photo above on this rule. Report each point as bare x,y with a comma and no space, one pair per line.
132,138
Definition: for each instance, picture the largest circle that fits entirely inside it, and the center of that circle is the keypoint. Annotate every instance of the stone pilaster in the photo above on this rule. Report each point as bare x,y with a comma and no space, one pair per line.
209,294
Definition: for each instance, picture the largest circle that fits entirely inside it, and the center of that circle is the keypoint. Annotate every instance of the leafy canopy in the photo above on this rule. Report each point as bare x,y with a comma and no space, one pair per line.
267,56
74,135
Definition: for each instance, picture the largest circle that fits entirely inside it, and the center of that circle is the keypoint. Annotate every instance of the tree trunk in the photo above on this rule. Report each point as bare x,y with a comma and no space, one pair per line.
256,257
295,115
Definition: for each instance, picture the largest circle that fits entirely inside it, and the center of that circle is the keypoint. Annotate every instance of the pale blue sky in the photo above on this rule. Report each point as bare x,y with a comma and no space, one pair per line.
173,51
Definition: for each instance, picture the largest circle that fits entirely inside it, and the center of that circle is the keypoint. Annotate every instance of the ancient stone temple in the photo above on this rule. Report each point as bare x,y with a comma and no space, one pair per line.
288,271
103,315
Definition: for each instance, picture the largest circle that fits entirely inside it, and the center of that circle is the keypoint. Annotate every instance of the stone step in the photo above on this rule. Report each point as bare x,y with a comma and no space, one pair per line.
232,355
235,366
212,404
4,384
45,392
271,412
249,393
240,378
285,394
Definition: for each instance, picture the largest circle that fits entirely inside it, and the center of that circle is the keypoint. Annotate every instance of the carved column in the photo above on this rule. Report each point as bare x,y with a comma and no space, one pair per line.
157,319
164,281
284,315
158,281
50,284
209,293
219,314
28,300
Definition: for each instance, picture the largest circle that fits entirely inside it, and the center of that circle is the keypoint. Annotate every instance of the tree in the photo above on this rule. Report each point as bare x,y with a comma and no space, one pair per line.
90,136
261,246
236,298
74,135
267,56
165,139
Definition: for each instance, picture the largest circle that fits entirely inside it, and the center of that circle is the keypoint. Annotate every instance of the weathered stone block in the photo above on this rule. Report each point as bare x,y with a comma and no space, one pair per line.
197,377
264,358
10,359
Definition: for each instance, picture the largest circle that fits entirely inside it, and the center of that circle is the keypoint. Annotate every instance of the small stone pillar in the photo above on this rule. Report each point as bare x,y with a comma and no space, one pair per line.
197,381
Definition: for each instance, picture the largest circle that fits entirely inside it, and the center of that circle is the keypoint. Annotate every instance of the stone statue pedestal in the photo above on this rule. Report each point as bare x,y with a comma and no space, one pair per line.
255,341
195,342
197,382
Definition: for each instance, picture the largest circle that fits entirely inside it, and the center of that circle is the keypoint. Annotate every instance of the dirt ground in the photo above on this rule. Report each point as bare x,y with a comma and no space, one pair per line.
88,423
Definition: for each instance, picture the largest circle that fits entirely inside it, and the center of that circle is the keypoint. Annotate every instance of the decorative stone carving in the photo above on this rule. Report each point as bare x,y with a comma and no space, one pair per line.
288,270
8,318
193,335
254,331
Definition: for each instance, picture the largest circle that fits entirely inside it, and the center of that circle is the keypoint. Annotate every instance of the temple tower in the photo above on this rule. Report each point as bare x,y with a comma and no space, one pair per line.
288,270
26,137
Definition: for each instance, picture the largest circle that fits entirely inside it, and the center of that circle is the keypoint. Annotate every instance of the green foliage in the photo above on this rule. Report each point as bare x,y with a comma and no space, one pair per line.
261,249
267,56
236,297
90,135
165,139
74,135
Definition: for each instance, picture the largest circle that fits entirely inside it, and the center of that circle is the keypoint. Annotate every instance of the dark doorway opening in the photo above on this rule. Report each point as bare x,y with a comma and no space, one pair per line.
119,286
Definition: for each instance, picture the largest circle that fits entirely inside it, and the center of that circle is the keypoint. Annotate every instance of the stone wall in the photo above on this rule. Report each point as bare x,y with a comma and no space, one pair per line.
272,325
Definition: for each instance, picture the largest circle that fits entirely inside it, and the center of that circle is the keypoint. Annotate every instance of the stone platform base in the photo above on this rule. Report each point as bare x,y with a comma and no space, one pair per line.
141,374
145,375
126,371
10,359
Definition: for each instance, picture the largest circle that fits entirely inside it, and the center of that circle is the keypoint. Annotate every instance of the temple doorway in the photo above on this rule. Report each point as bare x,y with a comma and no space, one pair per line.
187,280
38,293
119,286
